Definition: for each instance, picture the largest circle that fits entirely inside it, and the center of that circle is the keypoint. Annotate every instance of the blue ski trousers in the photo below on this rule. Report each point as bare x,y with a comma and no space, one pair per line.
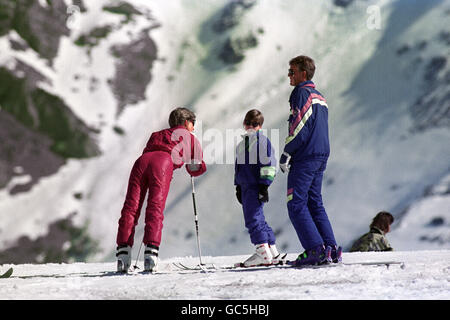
304,202
255,222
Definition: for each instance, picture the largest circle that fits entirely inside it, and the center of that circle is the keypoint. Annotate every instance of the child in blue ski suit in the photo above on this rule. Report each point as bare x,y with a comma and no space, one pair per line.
254,172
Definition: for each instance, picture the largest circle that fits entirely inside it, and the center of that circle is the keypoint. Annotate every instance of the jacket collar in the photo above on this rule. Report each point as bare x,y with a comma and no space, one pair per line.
178,128
376,230
250,134
307,83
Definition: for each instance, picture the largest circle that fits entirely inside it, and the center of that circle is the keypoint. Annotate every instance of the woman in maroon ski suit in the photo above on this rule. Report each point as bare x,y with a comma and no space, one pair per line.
165,151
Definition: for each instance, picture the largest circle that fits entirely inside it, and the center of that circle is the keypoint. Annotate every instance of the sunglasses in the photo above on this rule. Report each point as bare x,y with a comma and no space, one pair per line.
253,124
291,72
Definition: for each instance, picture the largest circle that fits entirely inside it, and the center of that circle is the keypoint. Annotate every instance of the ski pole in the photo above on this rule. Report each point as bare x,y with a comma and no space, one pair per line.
196,221
137,258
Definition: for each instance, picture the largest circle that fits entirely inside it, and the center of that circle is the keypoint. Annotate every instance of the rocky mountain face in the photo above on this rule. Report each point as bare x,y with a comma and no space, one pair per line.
38,129
129,82
30,109
432,108
41,27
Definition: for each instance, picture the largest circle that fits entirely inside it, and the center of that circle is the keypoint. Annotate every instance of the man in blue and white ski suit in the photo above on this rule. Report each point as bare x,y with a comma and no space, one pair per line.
255,169
305,157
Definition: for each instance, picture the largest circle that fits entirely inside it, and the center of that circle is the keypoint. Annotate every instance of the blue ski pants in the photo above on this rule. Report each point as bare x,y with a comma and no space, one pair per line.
255,222
304,202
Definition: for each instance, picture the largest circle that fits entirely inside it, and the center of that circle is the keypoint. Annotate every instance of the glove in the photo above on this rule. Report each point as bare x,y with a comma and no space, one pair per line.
195,169
239,193
284,162
263,194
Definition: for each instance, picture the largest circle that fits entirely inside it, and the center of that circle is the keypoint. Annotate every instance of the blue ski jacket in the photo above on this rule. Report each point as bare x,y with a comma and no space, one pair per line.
255,160
308,124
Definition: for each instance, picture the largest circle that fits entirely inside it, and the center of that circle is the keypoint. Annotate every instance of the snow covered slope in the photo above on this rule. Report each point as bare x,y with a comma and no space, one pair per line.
425,275
384,86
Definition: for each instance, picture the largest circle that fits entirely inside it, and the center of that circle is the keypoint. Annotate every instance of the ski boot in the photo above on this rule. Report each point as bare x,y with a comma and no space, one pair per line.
262,256
123,254
336,254
317,256
278,258
150,258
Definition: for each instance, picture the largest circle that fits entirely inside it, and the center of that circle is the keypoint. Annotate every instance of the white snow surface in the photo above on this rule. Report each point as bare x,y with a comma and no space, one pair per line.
424,275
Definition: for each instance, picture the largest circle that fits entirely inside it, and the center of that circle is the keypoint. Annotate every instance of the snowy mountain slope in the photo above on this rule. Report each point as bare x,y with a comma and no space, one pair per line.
378,162
425,220
377,150
375,156
425,276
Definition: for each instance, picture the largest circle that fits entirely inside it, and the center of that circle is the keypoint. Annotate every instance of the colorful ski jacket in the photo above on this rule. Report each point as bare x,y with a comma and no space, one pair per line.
182,145
308,124
255,160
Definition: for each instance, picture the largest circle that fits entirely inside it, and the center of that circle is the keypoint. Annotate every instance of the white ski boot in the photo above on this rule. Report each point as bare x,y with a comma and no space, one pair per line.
262,256
278,258
123,254
150,258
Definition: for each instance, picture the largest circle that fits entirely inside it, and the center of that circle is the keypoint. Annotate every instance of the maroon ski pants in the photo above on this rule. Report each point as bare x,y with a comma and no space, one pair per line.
153,172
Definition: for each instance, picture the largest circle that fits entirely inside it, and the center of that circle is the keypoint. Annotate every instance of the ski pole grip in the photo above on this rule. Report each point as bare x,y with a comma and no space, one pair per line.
192,183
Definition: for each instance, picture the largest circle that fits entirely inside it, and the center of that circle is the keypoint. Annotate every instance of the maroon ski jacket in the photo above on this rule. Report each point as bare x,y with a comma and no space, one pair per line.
182,146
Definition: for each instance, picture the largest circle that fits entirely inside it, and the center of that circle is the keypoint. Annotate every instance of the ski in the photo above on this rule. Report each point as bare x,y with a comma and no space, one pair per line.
366,263
7,274
239,266
181,266
199,267
212,267
375,263
285,265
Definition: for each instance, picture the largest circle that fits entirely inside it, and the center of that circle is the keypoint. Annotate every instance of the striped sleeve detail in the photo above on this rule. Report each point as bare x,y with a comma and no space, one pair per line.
267,173
290,193
304,114
299,126
316,98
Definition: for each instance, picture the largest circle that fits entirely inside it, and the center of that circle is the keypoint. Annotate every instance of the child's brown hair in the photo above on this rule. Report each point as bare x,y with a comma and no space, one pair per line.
254,118
179,115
